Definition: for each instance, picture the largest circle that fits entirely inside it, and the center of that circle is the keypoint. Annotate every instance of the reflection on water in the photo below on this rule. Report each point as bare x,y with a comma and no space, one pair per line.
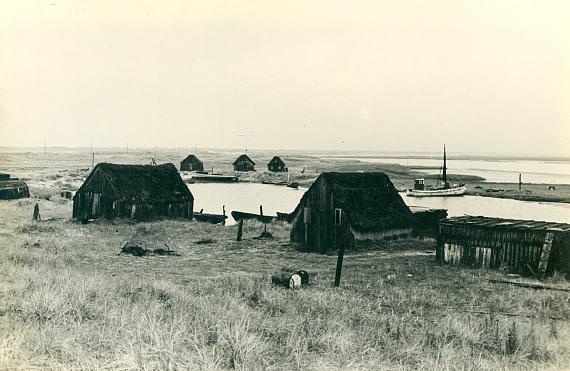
248,196
493,171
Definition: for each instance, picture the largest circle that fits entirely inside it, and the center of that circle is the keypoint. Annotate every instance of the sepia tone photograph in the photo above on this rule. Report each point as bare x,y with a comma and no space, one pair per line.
284,185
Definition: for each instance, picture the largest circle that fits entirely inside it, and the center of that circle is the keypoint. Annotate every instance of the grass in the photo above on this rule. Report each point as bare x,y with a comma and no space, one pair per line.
69,300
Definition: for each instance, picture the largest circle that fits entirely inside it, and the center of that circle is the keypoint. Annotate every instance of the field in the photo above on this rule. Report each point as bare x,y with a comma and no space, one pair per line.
70,300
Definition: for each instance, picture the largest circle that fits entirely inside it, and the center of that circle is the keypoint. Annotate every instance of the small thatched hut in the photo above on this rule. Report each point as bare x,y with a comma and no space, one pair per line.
276,165
191,163
347,208
244,163
139,192
13,189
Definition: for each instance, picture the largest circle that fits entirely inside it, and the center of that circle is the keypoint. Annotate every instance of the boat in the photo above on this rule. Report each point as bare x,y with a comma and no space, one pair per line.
274,182
239,215
210,218
212,178
443,190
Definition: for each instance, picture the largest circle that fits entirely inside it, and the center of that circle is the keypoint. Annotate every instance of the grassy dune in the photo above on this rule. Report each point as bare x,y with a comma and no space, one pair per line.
68,300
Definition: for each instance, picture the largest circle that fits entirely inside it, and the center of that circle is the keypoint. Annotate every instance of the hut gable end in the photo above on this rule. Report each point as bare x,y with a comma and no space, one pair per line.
133,191
347,207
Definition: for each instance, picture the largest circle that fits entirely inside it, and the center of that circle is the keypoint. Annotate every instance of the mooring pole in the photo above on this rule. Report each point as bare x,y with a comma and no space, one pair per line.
520,182
240,230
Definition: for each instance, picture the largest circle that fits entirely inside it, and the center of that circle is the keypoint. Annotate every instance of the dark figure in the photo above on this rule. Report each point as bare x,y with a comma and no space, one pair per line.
37,216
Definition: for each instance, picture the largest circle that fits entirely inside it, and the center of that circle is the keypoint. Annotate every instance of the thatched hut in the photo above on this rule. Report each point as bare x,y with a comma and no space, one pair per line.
191,163
13,189
349,208
244,163
277,165
139,192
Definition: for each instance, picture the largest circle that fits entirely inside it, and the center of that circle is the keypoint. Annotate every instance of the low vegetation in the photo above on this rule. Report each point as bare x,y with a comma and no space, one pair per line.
70,300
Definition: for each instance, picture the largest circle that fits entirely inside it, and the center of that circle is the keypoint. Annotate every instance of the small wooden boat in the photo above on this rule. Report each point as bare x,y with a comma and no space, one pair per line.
274,182
445,190
212,178
239,215
210,218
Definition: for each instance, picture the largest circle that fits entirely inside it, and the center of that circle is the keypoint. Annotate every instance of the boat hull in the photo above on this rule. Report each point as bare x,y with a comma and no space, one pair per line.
453,191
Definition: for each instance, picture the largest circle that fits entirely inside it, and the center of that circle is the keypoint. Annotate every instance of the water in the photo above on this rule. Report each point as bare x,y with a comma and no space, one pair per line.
533,171
244,197
248,196
495,207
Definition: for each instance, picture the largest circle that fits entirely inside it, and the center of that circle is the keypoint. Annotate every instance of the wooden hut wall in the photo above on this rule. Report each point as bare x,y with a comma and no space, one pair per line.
494,248
97,198
322,233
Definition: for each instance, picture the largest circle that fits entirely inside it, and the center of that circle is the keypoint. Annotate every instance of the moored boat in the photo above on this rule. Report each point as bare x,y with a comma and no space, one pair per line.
443,190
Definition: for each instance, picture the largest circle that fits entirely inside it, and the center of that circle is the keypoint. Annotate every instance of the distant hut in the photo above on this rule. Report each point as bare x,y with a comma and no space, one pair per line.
244,163
349,208
276,165
11,189
191,163
140,192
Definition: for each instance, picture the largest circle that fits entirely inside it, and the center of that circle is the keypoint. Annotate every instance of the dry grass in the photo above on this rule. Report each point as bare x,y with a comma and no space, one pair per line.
68,300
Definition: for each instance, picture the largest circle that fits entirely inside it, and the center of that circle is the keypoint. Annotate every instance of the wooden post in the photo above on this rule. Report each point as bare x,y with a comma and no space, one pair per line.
520,182
339,243
224,209
261,210
545,256
339,265
240,230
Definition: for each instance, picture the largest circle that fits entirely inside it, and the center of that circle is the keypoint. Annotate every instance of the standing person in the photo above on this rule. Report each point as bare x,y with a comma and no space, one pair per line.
37,216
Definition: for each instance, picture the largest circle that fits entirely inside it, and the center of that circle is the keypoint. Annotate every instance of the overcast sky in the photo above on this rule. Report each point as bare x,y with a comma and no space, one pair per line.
480,76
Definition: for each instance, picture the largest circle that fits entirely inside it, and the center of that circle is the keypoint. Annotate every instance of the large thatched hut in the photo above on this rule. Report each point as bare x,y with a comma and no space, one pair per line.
348,208
276,165
191,163
244,163
139,192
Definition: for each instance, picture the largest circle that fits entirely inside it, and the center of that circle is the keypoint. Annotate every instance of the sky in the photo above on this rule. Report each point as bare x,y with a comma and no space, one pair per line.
480,76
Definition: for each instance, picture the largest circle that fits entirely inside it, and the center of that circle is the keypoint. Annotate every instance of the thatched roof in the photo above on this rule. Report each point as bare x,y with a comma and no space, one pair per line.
193,159
277,161
369,200
143,183
243,158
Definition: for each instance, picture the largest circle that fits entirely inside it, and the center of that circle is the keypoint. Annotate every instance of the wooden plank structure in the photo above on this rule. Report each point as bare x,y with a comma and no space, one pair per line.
348,209
140,192
517,246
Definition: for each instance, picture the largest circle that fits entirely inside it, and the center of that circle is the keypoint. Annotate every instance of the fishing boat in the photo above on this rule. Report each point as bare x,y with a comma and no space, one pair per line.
443,189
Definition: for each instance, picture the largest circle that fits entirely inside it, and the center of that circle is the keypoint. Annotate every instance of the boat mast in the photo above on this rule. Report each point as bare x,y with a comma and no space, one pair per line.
444,169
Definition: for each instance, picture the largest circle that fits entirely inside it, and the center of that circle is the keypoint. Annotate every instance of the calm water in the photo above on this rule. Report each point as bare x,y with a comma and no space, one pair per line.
248,197
547,172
